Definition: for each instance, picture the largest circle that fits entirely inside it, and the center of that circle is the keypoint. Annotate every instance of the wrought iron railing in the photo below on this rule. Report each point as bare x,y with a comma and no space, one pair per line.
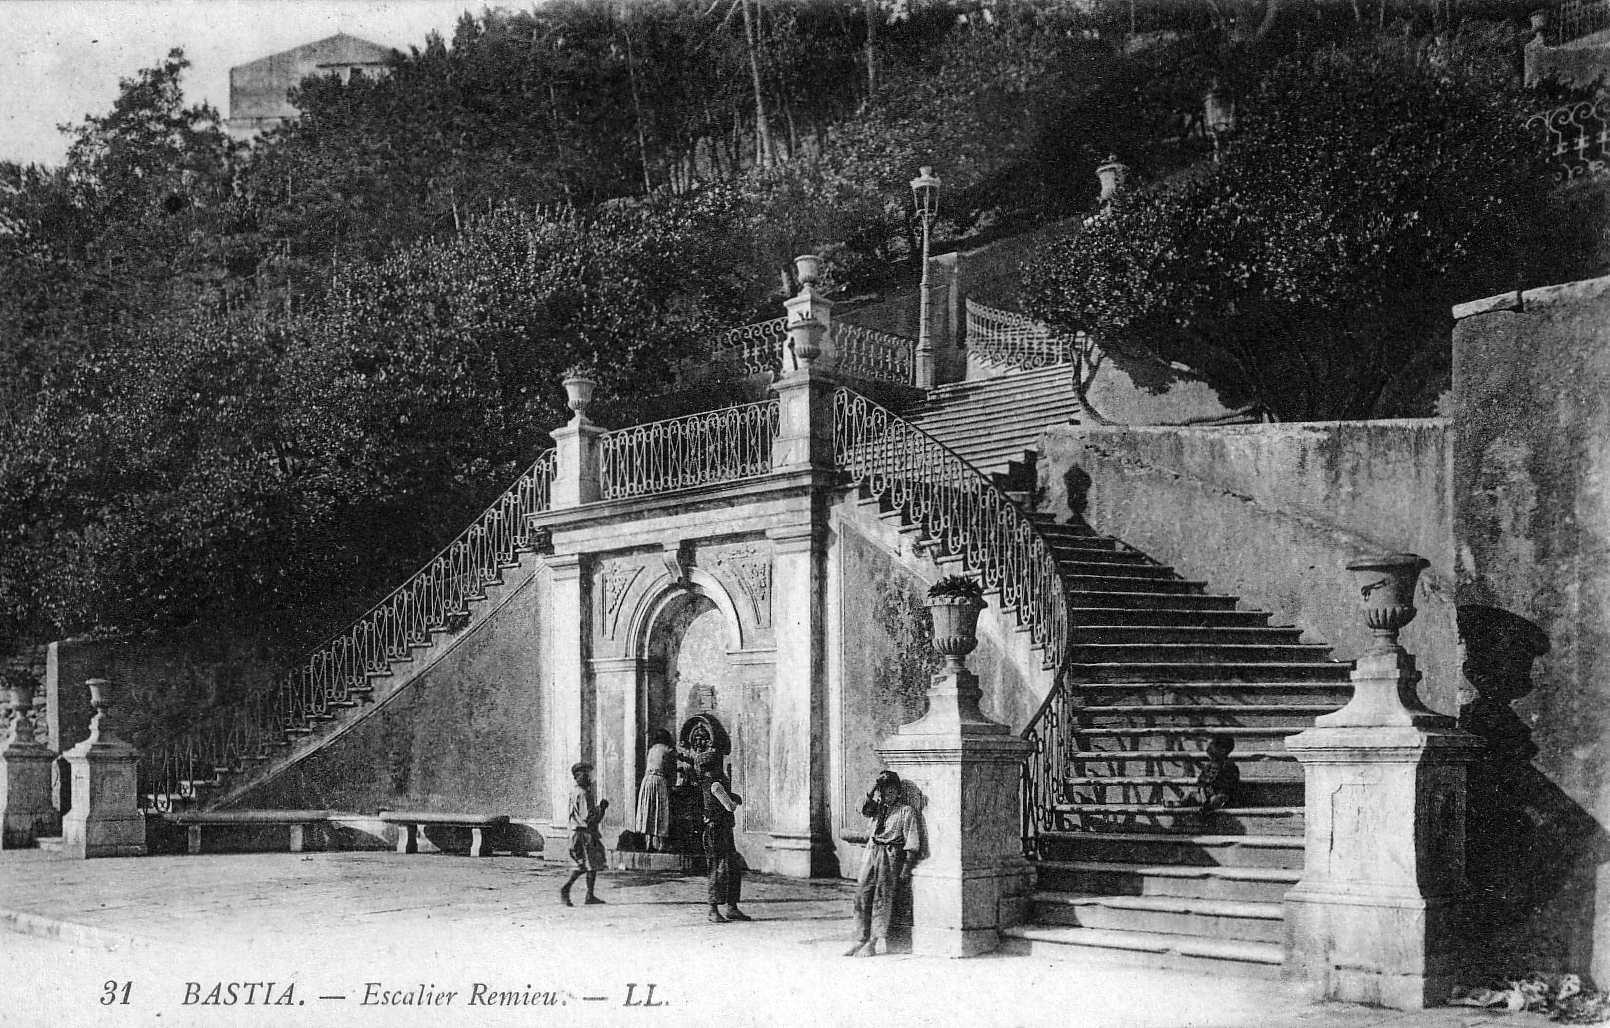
868,353
716,446
1007,339
863,352
1052,734
753,348
1574,19
1577,136
337,674
961,511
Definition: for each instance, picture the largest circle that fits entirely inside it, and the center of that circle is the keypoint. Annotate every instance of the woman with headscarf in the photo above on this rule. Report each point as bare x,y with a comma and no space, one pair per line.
654,793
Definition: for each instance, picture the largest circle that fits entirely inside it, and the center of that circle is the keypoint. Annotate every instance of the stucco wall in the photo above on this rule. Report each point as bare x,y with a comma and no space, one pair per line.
467,735
1532,520
1272,513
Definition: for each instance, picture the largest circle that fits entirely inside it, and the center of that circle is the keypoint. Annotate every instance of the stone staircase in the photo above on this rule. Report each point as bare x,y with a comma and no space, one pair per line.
1158,664
995,423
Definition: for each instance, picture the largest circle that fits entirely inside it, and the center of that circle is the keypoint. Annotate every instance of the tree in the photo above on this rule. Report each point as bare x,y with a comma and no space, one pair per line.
1368,190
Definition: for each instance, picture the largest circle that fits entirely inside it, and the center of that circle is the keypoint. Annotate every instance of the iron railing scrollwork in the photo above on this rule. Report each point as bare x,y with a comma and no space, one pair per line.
336,675
1007,339
1577,136
868,353
1052,732
862,352
753,348
961,511
716,446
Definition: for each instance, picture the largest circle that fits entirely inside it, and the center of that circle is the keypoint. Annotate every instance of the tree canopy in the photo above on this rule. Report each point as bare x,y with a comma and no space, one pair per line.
1311,269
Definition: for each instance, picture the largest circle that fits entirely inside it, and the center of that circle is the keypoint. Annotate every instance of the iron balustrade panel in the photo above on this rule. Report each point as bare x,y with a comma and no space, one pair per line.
1577,136
753,348
336,675
1052,734
863,352
679,453
869,353
1006,339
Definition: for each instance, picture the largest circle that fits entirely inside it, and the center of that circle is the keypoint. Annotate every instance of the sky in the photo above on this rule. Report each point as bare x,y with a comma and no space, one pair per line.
62,59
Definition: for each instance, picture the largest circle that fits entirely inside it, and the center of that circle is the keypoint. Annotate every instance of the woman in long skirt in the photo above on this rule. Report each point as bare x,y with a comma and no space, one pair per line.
654,794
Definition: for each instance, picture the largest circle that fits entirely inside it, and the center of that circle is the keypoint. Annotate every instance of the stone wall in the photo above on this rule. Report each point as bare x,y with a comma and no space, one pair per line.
1532,520
466,735
1272,513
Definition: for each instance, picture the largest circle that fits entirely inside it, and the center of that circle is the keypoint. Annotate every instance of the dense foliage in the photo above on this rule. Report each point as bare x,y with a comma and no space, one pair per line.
240,381
1312,268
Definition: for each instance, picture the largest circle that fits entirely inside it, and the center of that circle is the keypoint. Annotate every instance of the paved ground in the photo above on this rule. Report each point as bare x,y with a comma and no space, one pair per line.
353,939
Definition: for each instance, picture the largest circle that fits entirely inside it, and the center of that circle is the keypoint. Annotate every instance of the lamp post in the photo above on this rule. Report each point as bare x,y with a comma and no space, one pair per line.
925,196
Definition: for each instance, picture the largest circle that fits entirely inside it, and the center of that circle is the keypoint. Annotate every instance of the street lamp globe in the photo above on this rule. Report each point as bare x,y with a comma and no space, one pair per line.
925,193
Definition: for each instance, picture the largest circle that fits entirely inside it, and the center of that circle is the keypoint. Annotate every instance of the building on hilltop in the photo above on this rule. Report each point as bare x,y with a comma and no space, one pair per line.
259,90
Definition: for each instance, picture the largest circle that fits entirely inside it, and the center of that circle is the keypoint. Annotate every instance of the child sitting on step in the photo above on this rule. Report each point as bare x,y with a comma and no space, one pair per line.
1220,780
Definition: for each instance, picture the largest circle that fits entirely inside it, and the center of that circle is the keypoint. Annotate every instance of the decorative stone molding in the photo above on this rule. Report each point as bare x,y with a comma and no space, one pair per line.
750,567
616,578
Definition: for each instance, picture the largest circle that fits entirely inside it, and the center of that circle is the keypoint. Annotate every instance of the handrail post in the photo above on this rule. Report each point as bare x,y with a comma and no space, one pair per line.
576,478
804,390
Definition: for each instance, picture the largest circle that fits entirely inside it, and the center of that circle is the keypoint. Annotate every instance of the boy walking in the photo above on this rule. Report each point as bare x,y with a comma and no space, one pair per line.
586,844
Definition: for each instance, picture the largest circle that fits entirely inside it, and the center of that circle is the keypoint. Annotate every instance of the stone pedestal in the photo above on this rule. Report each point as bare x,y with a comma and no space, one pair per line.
972,880
1380,911
26,811
105,819
576,464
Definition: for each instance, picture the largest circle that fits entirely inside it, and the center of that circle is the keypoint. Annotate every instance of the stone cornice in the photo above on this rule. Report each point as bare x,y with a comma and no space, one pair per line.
782,485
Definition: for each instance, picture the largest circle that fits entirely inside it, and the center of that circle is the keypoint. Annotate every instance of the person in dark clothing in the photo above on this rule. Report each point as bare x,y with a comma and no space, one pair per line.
720,850
1220,780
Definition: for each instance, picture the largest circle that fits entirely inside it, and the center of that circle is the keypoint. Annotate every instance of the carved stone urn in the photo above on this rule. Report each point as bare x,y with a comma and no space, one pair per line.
1386,591
579,388
1112,176
20,691
954,604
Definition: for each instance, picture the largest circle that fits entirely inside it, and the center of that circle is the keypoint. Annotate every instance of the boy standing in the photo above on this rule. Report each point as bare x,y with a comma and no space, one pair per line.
720,849
893,846
586,844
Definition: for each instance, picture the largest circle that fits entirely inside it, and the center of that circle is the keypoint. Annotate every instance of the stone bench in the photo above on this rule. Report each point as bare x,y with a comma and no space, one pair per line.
296,821
411,821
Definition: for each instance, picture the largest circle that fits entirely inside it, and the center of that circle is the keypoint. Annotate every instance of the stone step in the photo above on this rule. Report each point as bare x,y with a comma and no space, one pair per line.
1164,789
1125,599
1091,551
1217,694
1185,849
1239,920
1202,671
1133,570
1269,765
1202,718
1243,884
1138,817
1087,618
1194,635
1080,583
1168,738
1160,652
1094,947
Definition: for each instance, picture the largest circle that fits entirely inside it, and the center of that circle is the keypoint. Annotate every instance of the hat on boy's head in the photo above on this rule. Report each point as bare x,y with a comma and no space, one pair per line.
580,766
886,778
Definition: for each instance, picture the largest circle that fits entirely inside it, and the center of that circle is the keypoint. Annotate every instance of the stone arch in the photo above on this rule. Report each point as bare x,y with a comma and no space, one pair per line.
661,599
